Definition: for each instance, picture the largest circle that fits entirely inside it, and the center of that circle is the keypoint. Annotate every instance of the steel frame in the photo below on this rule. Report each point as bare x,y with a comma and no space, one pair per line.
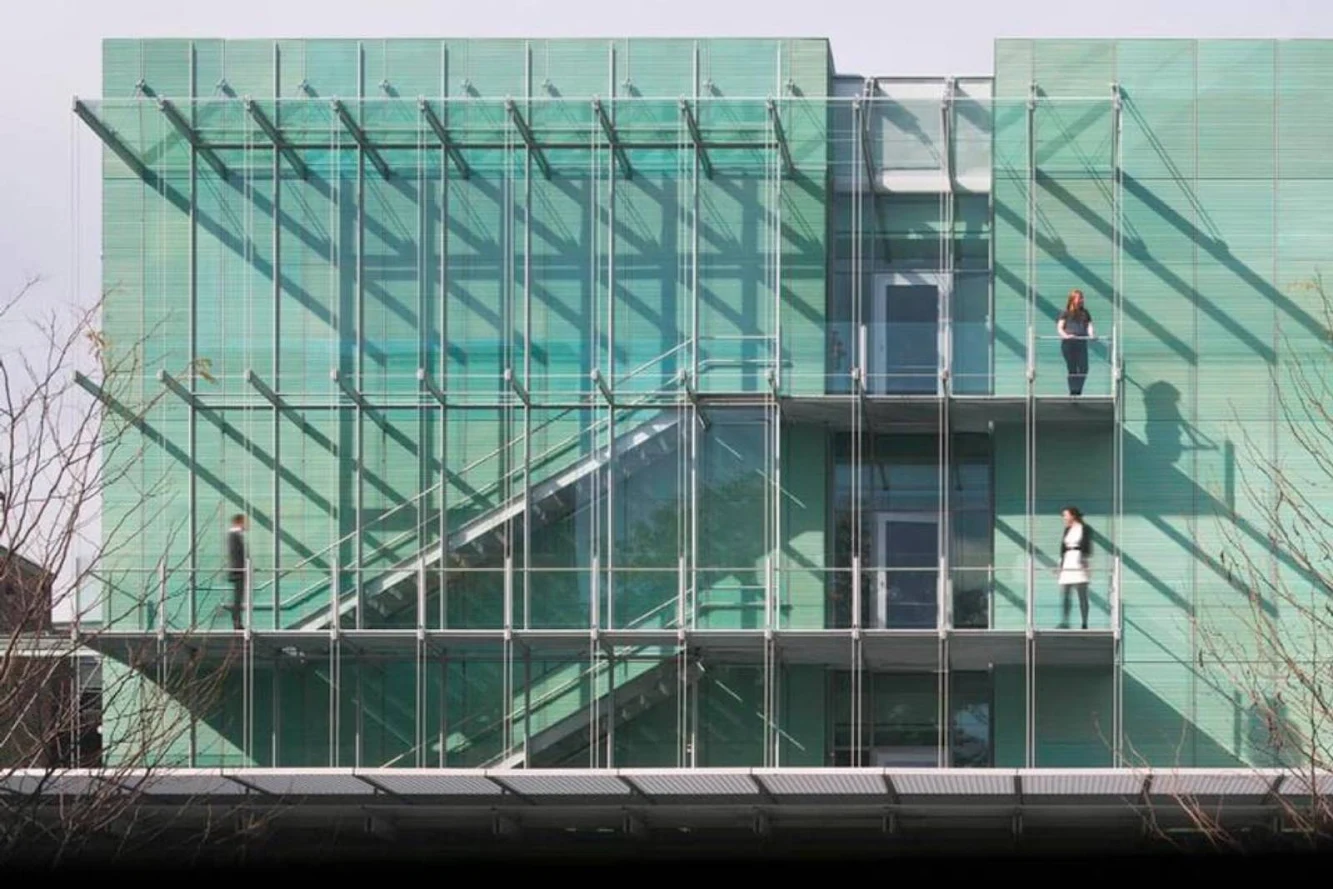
517,636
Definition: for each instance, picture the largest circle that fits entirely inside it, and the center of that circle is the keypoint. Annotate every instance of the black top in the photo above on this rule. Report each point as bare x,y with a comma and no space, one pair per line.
236,550
1076,322
1084,544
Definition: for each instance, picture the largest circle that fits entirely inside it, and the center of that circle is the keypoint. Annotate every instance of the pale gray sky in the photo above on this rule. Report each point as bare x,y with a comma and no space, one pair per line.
50,50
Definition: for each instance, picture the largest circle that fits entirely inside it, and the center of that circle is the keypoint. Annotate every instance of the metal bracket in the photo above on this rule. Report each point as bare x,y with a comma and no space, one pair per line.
359,136
788,168
188,133
112,141
425,380
600,383
693,398
177,388
612,137
528,138
696,136
442,134
512,381
946,131
261,120
263,389
859,107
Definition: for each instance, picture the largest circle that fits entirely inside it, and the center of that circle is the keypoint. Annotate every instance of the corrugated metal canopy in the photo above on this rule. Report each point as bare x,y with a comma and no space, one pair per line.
613,786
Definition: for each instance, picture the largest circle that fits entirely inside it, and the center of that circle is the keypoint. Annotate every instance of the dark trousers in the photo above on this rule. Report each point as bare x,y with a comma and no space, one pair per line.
1082,590
1076,360
238,598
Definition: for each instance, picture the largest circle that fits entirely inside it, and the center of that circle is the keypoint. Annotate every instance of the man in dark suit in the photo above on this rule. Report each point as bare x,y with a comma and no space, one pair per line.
236,567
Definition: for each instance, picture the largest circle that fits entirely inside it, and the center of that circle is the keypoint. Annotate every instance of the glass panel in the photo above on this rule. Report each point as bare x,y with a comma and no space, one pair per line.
970,720
970,325
377,721
731,715
900,721
302,704
1074,716
1074,468
733,515
904,340
649,690
465,706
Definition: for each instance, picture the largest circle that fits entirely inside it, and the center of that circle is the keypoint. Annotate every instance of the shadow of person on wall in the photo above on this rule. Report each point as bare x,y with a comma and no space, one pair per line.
1165,427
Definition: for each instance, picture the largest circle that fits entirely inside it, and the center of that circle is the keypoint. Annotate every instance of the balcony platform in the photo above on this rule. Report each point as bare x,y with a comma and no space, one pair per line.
974,413
967,413
881,650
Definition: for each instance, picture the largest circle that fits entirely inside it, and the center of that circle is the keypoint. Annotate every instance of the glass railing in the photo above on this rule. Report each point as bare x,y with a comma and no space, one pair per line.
750,598
1078,366
910,358
899,358
1059,607
971,598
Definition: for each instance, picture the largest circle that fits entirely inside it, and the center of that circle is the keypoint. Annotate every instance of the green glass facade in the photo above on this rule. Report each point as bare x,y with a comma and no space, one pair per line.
685,403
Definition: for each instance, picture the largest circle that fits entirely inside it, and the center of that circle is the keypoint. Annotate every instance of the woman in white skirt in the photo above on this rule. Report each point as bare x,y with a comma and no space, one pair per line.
1075,554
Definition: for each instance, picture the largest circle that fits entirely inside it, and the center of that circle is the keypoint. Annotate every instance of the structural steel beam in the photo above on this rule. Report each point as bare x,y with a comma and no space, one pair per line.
261,120
946,132
600,382
351,392
512,381
263,389
436,392
177,389
862,106
190,135
612,137
788,168
450,147
112,141
697,137
485,145
359,136
528,138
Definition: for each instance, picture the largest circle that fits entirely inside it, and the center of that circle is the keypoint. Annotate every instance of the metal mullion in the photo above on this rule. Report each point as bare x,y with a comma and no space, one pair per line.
1030,707
527,378
507,419
612,457
358,746
444,710
276,168
594,279
444,363
527,706
692,410
193,431
423,416
943,675
247,694
1118,443
359,354
420,698
1029,432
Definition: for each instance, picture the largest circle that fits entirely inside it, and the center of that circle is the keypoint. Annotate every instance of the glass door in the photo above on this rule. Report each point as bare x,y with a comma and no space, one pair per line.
907,558
905,334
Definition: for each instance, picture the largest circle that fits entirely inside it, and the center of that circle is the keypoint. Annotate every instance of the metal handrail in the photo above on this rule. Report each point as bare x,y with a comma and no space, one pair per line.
316,588
480,460
641,401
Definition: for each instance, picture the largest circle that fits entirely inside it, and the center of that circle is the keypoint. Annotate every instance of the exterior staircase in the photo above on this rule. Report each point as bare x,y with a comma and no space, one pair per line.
571,471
